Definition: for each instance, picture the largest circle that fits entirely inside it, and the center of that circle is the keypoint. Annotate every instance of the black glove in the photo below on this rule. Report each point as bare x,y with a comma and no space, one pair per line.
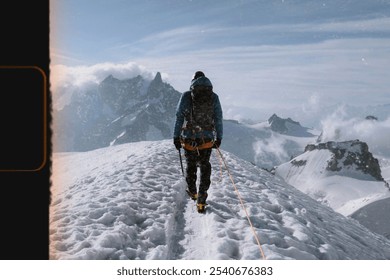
217,143
177,143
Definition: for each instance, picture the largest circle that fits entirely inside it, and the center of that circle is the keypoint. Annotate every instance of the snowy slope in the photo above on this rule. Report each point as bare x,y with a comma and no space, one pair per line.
128,202
261,145
375,216
345,191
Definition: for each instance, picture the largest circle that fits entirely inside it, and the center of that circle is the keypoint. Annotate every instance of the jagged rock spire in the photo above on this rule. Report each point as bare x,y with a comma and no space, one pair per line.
157,78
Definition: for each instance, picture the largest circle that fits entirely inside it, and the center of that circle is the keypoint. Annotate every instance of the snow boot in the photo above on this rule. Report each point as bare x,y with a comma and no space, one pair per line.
192,195
201,207
201,202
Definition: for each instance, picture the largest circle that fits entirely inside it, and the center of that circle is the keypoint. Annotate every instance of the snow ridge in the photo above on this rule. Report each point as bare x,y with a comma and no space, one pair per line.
128,202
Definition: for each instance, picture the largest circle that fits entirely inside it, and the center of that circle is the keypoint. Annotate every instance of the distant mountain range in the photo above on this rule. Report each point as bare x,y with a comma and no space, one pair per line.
115,112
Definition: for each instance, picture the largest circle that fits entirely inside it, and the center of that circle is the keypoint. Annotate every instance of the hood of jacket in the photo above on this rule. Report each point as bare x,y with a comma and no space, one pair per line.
201,81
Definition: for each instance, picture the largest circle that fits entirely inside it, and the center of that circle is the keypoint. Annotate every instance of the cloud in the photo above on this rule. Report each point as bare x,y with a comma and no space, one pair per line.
343,70
368,25
270,149
67,80
212,36
312,104
338,127
168,42
83,76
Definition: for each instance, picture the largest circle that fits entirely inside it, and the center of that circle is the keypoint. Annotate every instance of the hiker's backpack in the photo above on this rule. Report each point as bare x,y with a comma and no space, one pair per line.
202,105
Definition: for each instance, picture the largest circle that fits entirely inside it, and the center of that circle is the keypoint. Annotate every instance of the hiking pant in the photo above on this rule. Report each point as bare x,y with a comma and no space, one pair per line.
201,159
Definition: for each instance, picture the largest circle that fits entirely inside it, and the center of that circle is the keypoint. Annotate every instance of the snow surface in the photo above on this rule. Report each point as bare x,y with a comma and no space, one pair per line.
128,202
345,194
375,216
259,144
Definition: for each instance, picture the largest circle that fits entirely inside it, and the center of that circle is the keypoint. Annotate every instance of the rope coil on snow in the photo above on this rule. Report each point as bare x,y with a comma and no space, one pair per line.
242,204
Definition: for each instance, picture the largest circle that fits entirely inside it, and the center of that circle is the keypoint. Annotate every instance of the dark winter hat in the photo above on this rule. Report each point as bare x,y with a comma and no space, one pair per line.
197,75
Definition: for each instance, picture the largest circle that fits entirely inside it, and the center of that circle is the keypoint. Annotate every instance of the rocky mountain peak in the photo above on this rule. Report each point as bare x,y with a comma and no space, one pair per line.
157,78
352,154
108,79
287,126
371,118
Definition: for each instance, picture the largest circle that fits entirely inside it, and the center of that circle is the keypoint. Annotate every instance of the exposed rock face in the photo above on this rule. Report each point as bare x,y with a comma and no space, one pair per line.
288,127
371,118
350,155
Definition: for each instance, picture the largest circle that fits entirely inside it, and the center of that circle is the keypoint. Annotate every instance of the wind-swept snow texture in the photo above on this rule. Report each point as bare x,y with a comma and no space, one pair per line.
129,202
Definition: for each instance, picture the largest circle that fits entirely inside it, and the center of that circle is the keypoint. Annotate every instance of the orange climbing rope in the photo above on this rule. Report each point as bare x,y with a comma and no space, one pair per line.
242,203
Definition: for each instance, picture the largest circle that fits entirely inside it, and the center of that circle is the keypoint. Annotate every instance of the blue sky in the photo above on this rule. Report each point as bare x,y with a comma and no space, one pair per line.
262,56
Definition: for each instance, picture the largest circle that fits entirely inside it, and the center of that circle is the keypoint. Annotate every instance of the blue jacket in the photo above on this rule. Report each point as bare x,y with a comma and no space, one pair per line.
183,110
